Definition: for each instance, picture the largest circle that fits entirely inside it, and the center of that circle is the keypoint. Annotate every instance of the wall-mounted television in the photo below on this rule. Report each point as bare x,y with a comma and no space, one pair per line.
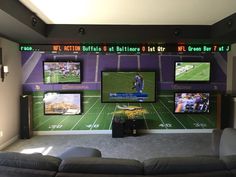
62,103
59,72
128,86
192,71
192,102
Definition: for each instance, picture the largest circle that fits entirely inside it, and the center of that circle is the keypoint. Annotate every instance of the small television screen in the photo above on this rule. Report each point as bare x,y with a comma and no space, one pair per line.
58,103
61,72
192,102
188,71
128,86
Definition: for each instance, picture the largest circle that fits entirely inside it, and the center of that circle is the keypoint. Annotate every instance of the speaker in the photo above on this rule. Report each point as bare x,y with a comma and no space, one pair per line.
26,117
117,127
226,111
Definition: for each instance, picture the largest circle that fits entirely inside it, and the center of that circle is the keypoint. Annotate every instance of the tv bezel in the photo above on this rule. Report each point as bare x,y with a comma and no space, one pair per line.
63,61
192,81
64,92
174,99
155,82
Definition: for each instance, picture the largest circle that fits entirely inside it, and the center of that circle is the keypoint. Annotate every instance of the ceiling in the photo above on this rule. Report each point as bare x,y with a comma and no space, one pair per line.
132,12
113,21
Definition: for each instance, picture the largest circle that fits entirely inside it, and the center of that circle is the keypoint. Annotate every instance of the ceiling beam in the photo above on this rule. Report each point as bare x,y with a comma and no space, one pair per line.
24,15
129,33
225,30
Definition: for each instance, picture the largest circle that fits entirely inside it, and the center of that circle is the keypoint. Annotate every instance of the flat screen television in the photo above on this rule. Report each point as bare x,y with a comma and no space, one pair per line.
128,86
192,71
56,72
62,103
192,102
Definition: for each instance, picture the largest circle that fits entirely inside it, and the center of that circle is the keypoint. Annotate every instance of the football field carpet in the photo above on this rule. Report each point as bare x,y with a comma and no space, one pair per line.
98,116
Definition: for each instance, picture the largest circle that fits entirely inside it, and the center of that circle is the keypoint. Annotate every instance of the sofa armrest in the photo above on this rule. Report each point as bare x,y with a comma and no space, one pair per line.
227,142
29,161
216,136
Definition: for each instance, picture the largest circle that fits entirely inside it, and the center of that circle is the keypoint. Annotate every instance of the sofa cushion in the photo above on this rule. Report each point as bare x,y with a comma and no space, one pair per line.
23,172
230,161
75,152
227,142
101,166
206,174
30,161
180,165
102,175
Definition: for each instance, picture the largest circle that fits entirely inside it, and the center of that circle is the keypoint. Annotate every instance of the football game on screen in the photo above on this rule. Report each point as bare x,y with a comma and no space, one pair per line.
192,102
62,103
128,86
192,71
61,72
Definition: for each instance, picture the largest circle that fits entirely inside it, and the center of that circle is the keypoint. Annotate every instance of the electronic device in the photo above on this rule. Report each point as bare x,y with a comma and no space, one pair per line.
192,71
128,86
56,72
62,103
192,102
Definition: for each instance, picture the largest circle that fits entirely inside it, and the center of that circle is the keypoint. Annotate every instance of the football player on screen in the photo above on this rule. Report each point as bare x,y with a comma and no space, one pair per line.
138,83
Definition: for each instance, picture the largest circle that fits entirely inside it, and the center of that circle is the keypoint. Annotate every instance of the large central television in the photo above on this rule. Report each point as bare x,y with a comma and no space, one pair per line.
192,102
62,103
61,72
192,71
128,86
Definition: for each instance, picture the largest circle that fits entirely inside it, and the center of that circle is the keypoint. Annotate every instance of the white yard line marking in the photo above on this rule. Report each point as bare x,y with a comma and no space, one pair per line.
138,61
172,114
60,123
43,123
112,117
84,114
206,119
98,116
118,63
96,71
159,62
144,117
158,115
193,120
